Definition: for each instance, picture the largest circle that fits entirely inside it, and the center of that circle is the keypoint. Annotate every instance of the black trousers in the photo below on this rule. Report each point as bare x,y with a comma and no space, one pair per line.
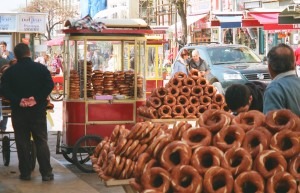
27,122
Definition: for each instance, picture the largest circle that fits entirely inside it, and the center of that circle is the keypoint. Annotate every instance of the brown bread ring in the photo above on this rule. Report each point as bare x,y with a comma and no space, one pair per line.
189,82
286,142
175,82
152,113
180,75
228,137
202,82
156,178
294,167
214,120
142,160
205,100
213,106
210,90
255,142
237,160
175,153
190,110
205,157
169,100
281,182
218,99
196,137
218,180
164,110
269,162
174,91
182,100
278,120
249,181
194,101
195,74
186,91
197,91
185,178
177,110
154,102
161,92
201,109
249,120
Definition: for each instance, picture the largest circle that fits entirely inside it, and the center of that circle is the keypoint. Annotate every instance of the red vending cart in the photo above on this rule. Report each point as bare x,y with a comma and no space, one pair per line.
104,83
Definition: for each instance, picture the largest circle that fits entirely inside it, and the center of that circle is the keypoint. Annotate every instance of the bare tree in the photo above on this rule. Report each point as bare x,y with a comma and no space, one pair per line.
56,13
181,10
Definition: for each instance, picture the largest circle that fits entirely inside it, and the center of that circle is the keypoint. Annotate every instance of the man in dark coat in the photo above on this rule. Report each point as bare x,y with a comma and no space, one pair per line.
27,85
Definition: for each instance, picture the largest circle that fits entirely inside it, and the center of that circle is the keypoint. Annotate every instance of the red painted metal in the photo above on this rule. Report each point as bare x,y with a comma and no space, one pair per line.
103,130
73,133
110,112
75,112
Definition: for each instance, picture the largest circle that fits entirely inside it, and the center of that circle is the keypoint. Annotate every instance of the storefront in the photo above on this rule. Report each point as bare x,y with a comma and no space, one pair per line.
22,27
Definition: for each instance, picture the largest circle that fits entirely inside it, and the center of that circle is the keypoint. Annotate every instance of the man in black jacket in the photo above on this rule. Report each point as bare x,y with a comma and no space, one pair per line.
27,85
245,97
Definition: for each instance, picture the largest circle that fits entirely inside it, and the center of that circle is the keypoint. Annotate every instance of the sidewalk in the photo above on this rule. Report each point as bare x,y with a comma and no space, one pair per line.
64,180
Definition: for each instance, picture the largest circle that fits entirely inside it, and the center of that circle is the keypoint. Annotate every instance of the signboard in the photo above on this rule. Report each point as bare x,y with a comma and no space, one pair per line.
32,23
8,23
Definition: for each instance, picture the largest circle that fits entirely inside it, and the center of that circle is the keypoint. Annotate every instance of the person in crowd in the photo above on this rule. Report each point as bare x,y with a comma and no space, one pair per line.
8,55
97,60
198,63
56,64
3,65
28,109
44,59
297,57
131,63
244,97
180,65
284,90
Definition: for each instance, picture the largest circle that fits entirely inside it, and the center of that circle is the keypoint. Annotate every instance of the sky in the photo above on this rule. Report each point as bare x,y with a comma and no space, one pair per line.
12,5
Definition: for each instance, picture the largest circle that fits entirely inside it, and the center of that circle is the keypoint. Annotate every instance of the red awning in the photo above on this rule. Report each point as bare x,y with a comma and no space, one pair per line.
55,42
251,23
267,20
265,17
280,26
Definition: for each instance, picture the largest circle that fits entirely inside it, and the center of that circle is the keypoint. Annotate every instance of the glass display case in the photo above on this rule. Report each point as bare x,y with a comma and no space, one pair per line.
104,78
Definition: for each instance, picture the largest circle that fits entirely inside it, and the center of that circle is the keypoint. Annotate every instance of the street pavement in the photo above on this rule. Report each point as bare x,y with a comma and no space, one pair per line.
64,172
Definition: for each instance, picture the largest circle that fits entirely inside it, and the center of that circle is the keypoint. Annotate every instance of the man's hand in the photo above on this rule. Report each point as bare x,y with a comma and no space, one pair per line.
28,102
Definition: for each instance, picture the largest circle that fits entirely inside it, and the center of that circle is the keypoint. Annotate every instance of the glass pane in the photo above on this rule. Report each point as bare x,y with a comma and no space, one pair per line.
97,68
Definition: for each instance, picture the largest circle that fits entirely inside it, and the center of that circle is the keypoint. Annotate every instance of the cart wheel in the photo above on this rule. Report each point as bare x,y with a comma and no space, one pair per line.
56,96
32,154
68,157
6,150
82,151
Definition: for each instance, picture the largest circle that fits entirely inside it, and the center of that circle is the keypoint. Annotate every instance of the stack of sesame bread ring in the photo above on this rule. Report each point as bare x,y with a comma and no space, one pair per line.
250,152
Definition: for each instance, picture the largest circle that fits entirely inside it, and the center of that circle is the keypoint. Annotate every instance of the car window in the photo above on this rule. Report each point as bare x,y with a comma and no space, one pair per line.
229,55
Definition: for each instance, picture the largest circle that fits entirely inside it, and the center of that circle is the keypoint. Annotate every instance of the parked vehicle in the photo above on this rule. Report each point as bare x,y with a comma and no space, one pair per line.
231,63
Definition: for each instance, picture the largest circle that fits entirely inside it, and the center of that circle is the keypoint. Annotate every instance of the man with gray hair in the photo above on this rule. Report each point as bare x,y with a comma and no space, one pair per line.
198,63
284,90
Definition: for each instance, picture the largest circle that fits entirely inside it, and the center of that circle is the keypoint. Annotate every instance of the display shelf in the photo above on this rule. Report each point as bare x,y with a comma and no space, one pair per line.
124,183
173,122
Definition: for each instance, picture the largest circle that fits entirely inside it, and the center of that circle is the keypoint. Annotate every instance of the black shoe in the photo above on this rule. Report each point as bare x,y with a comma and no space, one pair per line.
48,177
25,178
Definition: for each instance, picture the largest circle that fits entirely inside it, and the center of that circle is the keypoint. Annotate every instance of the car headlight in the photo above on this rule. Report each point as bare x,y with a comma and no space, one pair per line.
232,76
